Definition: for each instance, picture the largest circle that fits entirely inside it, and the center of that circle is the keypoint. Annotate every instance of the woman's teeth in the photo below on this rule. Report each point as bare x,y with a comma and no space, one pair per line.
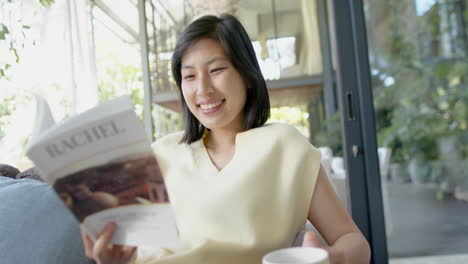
210,106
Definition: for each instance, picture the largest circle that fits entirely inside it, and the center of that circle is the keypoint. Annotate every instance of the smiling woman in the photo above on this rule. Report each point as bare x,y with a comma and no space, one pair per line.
239,188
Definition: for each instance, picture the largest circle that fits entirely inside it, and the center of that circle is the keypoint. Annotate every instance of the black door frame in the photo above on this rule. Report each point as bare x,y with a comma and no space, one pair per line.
354,89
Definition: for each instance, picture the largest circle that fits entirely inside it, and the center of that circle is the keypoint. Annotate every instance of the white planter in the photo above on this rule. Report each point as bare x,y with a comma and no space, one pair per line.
398,174
418,171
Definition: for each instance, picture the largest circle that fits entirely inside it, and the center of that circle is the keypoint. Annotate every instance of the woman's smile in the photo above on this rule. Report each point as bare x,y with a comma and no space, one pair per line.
211,107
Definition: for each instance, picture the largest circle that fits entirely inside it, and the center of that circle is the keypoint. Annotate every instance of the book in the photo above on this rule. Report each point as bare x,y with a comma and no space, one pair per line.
100,163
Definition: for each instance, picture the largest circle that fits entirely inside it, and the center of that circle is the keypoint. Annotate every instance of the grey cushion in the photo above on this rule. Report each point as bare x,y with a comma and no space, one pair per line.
31,173
8,171
35,227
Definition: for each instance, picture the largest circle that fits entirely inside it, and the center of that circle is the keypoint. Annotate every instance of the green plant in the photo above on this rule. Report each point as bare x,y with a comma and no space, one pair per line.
296,116
14,40
122,79
6,109
330,135
425,101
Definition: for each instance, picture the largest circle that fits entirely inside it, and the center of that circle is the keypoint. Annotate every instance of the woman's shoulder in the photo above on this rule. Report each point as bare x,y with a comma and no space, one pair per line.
282,131
283,128
168,148
172,137
286,135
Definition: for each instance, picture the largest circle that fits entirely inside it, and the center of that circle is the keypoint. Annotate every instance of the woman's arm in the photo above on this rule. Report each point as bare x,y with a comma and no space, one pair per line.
347,244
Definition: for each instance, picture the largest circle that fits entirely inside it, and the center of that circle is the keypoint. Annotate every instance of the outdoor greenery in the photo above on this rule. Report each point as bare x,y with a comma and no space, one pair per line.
296,116
330,135
425,100
14,33
122,79
420,99
7,107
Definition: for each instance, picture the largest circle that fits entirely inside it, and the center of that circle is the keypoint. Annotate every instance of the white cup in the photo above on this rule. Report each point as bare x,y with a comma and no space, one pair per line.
297,255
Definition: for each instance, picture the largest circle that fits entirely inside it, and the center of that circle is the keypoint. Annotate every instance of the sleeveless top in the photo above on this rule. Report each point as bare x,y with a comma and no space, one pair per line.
257,203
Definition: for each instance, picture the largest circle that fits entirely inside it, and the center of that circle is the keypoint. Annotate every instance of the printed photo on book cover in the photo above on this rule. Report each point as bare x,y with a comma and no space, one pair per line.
133,180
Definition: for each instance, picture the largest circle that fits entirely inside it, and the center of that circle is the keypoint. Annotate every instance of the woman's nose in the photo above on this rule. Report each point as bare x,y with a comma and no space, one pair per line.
205,86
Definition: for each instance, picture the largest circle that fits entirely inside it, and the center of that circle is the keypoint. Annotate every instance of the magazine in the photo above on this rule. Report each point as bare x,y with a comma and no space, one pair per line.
100,163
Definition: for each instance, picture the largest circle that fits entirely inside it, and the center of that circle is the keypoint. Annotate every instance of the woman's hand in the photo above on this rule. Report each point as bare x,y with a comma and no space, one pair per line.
312,240
102,251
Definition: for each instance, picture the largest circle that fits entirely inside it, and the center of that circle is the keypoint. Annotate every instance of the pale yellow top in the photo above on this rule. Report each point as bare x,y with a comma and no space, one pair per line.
257,203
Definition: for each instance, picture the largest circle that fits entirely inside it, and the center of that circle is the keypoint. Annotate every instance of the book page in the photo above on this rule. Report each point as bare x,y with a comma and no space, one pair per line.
130,192
44,119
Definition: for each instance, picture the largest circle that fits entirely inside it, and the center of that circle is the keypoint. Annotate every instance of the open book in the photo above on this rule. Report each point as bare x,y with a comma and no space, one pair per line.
101,165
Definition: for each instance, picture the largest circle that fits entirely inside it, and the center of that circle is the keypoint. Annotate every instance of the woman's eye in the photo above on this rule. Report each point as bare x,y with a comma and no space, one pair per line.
188,77
216,70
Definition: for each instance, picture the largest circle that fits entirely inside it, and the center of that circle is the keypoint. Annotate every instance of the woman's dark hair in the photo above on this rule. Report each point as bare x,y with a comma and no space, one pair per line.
236,43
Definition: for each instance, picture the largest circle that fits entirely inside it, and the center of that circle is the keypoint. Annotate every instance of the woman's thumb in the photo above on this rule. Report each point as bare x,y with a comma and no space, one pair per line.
311,239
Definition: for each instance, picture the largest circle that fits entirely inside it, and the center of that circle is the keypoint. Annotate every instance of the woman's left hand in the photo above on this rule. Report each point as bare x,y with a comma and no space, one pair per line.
311,239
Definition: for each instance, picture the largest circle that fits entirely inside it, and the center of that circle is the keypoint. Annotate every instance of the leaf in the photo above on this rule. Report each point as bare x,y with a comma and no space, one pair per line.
3,31
5,28
439,195
15,52
26,27
46,3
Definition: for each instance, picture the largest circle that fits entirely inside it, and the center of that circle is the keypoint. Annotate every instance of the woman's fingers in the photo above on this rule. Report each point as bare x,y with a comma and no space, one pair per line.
128,253
103,241
122,254
102,251
87,242
311,240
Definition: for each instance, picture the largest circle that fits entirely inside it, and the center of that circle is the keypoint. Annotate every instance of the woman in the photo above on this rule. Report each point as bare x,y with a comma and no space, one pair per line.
239,188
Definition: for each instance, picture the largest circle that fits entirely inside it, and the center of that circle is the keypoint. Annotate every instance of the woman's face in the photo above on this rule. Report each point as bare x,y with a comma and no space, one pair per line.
213,89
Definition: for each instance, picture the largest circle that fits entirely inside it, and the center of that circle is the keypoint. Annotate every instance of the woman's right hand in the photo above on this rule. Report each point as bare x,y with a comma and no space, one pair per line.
102,251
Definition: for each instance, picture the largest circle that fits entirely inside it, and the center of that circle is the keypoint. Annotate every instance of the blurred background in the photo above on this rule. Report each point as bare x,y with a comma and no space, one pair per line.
77,53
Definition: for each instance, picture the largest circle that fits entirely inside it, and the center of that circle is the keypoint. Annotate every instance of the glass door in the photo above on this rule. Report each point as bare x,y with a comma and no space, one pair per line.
401,71
419,67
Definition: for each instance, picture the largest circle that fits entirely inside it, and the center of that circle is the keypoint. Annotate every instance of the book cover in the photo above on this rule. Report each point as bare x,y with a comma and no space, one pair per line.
101,165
